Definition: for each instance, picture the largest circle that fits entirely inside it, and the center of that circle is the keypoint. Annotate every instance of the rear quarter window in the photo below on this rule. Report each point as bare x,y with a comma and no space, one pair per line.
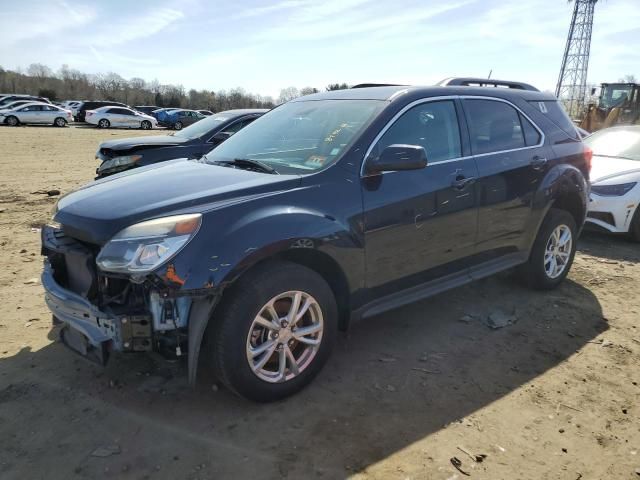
553,110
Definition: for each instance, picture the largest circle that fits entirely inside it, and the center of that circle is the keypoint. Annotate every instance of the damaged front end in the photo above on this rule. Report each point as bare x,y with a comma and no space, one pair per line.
108,299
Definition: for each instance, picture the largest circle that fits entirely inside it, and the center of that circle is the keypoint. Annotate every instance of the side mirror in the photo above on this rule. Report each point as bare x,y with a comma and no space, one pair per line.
398,157
221,137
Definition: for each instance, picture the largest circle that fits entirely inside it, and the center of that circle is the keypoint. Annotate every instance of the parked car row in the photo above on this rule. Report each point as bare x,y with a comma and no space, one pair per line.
102,113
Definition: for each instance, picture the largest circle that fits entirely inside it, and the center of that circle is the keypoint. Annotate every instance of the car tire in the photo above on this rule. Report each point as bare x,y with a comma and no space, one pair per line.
104,123
235,335
634,228
12,121
552,252
60,122
177,126
145,125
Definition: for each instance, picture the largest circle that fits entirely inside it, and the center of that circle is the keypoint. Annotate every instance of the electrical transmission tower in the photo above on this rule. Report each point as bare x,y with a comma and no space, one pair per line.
572,82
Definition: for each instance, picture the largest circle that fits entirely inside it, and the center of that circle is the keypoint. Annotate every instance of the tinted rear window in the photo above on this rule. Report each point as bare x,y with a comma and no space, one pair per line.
495,126
554,111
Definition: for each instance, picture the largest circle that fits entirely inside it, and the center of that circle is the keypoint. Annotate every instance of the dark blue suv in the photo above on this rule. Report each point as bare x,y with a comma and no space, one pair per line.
331,207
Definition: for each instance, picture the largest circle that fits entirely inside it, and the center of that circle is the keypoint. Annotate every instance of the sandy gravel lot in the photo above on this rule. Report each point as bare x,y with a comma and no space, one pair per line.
553,396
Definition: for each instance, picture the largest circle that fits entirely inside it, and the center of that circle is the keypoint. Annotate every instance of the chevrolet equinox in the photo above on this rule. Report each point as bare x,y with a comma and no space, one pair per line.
331,207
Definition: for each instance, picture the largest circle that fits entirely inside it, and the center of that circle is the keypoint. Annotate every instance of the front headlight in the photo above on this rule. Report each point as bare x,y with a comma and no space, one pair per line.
613,190
119,162
145,246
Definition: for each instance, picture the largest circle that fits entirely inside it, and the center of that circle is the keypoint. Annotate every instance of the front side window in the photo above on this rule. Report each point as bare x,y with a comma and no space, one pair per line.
494,126
300,137
431,125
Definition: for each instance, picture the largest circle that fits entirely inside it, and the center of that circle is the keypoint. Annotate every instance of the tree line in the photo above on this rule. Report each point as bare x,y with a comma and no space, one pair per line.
71,84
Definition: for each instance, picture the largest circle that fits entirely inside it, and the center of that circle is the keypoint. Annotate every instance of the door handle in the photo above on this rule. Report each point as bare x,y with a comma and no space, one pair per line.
537,163
461,182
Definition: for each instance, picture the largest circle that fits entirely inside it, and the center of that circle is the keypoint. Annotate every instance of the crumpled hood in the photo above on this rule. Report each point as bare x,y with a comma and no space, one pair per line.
128,143
99,210
605,168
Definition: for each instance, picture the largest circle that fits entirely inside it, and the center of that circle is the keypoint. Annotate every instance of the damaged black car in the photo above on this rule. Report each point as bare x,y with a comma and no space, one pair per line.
332,207
192,142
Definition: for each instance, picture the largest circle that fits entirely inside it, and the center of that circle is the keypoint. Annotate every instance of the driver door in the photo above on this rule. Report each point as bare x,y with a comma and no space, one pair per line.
421,224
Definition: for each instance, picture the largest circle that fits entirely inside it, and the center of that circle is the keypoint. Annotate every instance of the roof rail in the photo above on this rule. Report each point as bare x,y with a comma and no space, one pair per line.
485,82
367,85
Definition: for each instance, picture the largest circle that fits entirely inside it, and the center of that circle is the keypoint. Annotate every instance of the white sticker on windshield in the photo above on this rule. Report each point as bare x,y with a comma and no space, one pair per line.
543,107
334,151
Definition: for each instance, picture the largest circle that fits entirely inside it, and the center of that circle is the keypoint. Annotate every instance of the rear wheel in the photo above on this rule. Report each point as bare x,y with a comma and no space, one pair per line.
177,126
275,332
60,122
104,123
12,121
553,251
145,125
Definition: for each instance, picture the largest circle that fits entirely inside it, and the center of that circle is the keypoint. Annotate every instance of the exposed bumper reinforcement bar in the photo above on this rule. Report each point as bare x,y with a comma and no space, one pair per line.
87,330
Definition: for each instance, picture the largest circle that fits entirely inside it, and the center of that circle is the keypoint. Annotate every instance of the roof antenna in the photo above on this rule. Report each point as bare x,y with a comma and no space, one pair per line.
490,72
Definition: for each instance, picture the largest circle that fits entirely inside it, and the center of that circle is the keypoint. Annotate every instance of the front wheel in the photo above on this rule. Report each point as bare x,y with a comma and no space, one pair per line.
274,332
177,126
12,121
104,123
553,251
60,122
145,125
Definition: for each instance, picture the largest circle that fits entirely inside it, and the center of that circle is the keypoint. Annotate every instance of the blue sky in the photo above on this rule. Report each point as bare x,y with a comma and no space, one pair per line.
265,46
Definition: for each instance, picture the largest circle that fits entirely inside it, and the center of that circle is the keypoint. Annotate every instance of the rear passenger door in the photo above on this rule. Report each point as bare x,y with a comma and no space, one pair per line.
511,158
50,113
421,224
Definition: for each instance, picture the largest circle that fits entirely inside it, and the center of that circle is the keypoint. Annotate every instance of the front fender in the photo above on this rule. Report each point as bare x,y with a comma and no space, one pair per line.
216,258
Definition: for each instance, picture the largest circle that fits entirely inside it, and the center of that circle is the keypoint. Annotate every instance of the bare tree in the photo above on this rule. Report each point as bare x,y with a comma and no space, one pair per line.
287,94
308,91
628,79
39,70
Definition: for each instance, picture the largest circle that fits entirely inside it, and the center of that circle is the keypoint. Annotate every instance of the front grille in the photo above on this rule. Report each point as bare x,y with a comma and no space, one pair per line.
605,217
73,262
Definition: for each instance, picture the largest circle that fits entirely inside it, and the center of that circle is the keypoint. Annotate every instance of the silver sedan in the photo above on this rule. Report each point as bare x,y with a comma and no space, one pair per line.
36,112
105,117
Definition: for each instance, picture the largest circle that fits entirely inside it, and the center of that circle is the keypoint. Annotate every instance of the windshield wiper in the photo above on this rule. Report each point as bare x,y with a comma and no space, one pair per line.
249,164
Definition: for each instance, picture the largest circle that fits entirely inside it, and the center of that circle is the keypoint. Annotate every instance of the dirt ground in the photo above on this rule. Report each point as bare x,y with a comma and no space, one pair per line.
552,396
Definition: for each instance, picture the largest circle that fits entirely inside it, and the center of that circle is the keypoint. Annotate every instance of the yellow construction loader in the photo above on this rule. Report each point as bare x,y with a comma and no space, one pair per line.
618,104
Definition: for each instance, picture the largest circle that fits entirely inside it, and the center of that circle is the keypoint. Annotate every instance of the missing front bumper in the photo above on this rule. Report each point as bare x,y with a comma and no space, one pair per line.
89,331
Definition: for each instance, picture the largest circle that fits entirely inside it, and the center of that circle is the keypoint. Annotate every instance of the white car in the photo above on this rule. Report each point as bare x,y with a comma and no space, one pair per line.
615,180
105,117
36,112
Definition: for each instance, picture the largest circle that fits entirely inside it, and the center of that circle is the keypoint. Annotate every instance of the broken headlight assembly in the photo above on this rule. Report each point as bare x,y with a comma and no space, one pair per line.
117,162
143,247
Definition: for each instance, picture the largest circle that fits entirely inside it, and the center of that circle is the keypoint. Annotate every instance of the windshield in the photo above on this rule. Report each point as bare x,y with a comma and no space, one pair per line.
201,127
615,95
300,137
622,143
